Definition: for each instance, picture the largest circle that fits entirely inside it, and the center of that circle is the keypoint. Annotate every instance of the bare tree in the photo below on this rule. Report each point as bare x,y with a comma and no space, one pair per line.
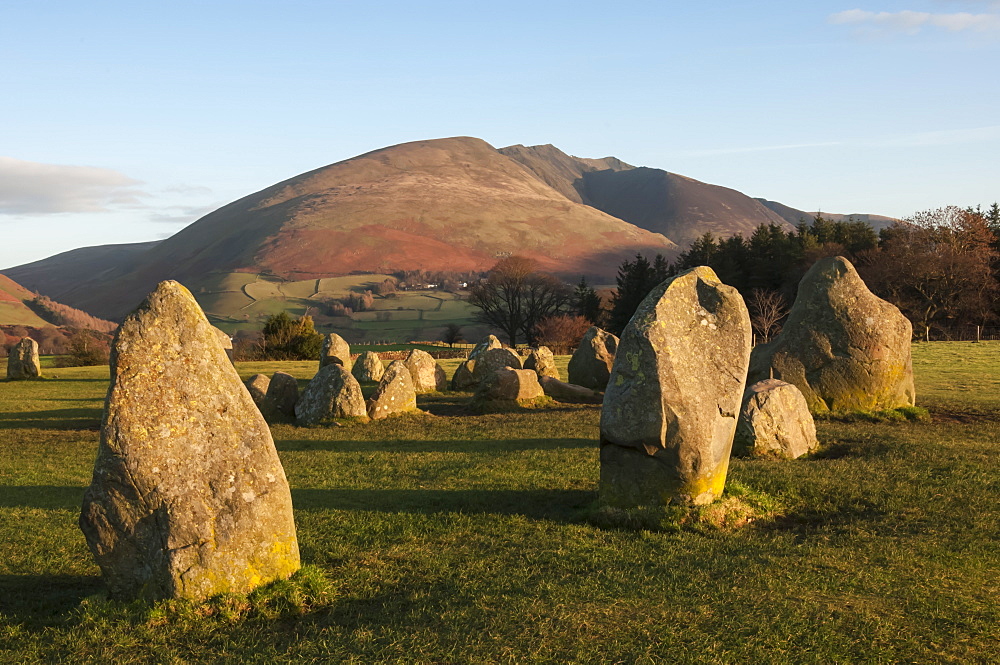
514,297
767,310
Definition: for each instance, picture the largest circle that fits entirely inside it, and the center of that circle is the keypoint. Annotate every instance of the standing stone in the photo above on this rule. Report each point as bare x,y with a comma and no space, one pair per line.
335,350
188,499
282,396
670,407
542,361
590,365
333,393
464,377
510,385
368,367
491,342
395,393
22,360
257,387
492,360
226,341
845,348
428,376
774,421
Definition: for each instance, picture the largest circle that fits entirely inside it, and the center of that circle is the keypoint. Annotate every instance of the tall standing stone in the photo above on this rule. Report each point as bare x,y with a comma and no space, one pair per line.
335,350
395,393
845,348
368,367
543,362
670,406
333,393
188,498
428,376
22,360
590,365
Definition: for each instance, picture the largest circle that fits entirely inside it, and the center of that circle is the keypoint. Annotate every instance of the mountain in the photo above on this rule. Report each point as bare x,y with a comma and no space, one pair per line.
452,204
793,216
678,207
21,307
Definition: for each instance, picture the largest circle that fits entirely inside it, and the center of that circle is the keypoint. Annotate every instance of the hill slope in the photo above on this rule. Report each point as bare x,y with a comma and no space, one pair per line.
449,204
678,207
794,216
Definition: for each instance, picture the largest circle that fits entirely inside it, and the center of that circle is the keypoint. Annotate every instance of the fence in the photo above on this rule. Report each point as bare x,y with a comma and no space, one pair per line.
959,334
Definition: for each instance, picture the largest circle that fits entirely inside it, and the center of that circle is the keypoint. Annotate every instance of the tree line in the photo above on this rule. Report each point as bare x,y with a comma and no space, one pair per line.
940,267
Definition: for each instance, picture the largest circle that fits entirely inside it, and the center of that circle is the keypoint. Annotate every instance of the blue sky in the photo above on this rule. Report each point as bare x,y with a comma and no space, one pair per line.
122,122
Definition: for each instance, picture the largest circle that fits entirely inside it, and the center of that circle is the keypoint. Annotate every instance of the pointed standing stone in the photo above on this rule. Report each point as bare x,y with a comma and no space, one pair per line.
395,393
335,350
333,393
670,406
22,360
257,387
591,363
845,348
188,498
281,398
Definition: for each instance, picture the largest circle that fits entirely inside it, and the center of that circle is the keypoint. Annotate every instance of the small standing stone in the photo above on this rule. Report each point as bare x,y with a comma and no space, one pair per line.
464,378
282,396
395,393
226,341
335,350
333,393
591,363
22,361
670,407
428,376
774,421
257,387
510,385
492,360
491,342
188,498
543,362
368,367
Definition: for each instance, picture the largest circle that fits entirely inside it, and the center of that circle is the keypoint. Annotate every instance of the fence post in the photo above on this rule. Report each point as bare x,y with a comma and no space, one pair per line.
977,334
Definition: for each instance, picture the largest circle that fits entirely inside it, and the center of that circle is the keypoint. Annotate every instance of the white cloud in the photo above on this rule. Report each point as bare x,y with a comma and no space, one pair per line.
32,188
911,23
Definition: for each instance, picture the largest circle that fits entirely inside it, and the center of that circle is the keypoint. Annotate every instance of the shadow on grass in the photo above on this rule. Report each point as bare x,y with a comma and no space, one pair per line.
46,497
852,448
459,446
44,600
81,418
550,504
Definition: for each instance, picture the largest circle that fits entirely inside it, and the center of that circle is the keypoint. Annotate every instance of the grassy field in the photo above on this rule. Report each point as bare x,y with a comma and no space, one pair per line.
454,538
236,301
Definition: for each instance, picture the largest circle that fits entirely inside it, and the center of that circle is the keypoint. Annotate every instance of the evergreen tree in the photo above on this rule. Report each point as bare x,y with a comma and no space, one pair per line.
586,302
635,280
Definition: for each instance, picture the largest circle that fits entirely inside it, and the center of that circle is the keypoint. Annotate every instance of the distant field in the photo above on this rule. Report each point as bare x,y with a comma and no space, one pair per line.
237,301
18,314
459,538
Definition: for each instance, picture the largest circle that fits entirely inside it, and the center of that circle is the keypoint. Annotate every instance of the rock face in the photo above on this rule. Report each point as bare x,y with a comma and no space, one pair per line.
282,396
395,393
333,393
670,407
591,363
567,392
22,362
257,387
507,384
774,421
427,375
542,361
464,378
368,367
335,351
491,360
843,347
188,498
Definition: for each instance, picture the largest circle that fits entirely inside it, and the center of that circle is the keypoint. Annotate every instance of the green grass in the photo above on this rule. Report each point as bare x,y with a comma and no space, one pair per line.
451,537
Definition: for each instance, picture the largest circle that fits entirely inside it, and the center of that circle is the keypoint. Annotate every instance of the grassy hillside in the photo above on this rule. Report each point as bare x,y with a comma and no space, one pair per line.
237,301
457,538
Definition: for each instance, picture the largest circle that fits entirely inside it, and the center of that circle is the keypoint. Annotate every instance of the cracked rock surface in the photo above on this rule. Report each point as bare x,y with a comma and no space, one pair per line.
670,406
188,498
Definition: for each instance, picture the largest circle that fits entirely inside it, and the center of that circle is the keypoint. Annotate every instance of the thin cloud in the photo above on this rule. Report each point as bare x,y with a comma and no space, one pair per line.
32,188
911,23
